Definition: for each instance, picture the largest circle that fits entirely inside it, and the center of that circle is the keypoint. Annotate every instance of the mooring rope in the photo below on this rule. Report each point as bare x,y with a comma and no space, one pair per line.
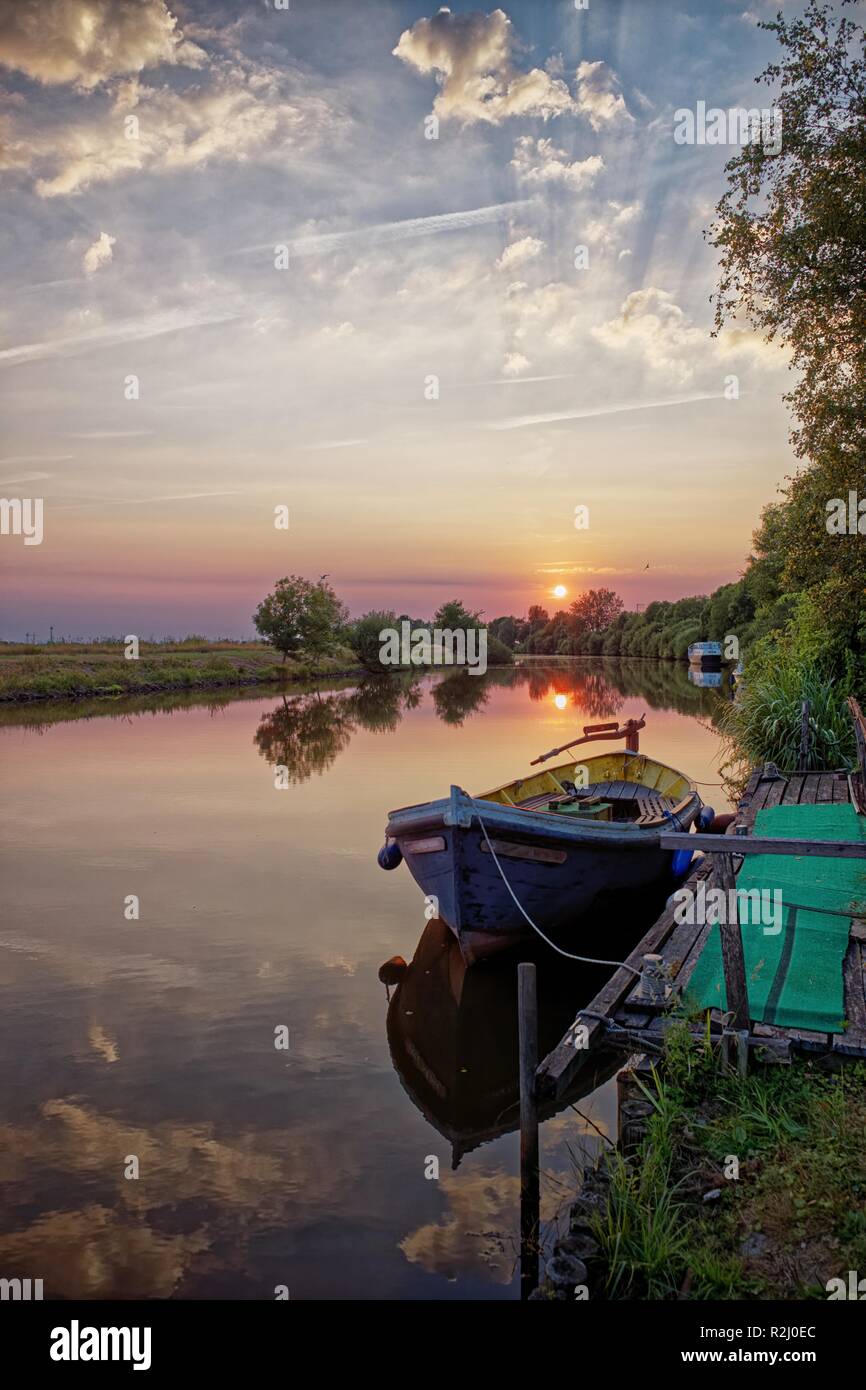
569,955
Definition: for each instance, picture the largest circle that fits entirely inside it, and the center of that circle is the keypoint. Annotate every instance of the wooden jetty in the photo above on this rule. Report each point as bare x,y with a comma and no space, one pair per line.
628,1010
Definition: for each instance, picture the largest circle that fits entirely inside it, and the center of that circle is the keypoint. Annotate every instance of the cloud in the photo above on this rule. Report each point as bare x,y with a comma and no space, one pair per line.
653,325
604,230
100,253
241,113
514,364
550,309
538,319
540,162
650,323
340,330
87,42
519,252
735,342
598,96
475,1231
471,55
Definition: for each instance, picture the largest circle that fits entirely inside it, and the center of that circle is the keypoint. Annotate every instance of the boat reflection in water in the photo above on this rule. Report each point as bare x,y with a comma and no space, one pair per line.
452,1032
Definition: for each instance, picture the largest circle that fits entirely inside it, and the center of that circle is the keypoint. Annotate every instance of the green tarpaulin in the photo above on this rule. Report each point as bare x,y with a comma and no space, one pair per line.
794,974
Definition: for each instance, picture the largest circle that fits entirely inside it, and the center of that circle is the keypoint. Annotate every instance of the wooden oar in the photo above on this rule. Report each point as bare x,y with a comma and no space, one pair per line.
594,733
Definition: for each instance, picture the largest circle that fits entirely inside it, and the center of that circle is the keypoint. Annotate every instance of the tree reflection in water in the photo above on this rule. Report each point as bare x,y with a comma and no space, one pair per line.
307,732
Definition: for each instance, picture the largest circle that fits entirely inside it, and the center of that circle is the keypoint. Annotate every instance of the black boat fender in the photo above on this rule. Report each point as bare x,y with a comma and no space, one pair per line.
390,856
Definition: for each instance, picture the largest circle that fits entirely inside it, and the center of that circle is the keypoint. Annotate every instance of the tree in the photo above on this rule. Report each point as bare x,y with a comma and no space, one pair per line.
454,616
300,616
792,228
505,629
595,610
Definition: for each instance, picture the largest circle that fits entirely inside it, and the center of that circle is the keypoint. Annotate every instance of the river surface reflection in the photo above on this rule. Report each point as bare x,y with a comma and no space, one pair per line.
247,828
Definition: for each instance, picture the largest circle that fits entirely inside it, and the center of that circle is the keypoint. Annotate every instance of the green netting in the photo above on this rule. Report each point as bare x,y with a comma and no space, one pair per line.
794,976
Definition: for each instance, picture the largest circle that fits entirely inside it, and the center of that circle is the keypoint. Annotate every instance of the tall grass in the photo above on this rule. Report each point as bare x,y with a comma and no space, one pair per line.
763,724
642,1231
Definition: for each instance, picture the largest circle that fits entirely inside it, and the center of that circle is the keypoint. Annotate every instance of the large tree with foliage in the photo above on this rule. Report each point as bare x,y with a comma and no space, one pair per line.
301,616
454,615
792,227
594,611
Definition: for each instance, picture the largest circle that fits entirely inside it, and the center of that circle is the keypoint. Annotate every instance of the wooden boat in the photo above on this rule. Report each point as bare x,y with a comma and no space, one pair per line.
543,851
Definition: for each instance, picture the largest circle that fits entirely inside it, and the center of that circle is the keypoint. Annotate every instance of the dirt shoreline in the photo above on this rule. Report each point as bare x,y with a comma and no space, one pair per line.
238,682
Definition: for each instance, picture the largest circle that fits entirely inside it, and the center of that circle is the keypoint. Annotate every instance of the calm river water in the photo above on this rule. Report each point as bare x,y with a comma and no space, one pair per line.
149,1043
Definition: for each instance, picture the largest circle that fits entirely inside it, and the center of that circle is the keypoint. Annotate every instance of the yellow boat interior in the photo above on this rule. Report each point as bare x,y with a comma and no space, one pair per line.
618,786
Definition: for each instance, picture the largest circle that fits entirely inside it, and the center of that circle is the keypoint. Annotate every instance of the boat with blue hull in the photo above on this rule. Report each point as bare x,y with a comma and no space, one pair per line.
543,851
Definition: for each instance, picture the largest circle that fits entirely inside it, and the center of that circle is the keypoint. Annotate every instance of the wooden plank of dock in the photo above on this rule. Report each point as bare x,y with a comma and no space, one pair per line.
680,946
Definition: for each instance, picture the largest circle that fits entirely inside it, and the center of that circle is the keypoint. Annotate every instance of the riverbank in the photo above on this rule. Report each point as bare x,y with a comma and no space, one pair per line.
741,1187
74,671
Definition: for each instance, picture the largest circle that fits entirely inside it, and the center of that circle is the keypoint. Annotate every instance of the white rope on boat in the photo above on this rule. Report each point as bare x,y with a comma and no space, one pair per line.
569,955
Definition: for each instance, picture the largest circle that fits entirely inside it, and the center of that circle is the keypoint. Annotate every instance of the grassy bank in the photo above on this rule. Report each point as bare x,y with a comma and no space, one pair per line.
676,1224
764,723
80,671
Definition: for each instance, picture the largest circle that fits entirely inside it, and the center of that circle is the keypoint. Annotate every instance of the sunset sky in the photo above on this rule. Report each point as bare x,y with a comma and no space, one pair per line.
408,258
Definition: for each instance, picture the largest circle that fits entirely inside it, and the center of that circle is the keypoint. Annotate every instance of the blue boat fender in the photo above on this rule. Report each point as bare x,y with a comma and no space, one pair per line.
390,856
683,857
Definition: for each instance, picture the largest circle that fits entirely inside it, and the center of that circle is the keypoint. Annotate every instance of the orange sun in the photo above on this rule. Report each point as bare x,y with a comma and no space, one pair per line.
560,701
560,591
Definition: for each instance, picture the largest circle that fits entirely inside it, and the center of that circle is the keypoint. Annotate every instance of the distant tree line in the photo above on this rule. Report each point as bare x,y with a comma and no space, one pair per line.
597,624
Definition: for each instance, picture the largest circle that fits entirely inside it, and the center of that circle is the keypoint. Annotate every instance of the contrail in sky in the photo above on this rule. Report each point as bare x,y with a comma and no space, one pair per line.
384,232
516,422
122,331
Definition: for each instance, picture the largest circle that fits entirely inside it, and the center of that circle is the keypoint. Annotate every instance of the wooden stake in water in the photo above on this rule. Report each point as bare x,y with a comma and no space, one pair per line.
527,1020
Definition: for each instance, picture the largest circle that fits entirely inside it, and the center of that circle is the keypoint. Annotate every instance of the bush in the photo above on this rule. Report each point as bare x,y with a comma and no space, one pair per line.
763,724
365,640
497,652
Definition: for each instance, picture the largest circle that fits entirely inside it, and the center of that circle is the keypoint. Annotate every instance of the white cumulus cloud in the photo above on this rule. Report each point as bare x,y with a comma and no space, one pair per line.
88,41
540,162
598,95
241,113
514,364
519,252
471,55
651,324
99,254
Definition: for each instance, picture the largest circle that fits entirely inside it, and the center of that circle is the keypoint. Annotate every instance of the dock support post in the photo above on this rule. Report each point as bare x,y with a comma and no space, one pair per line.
527,1019
732,946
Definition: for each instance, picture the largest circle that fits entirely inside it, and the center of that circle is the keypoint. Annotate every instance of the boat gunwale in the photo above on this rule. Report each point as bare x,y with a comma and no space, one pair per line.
527,821
568,829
